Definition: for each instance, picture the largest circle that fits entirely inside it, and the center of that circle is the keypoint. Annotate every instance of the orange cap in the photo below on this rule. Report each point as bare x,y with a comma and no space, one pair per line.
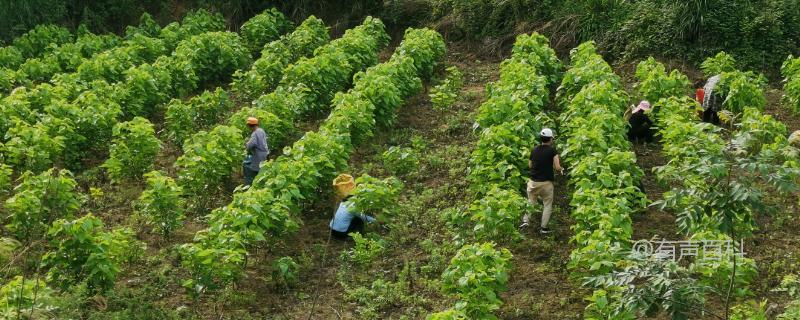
252,120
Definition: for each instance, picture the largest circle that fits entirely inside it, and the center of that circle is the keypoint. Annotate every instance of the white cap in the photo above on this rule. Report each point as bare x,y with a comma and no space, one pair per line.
546,132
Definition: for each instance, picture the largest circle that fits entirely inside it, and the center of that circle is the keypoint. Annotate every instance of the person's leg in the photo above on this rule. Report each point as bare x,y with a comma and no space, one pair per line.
532,198
547,197
249,176
356,225
339,235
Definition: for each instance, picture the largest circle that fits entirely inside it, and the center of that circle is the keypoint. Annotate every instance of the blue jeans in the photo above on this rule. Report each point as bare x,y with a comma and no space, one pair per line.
249,175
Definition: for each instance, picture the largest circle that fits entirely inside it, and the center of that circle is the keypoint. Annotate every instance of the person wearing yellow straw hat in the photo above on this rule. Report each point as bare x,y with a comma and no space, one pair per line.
346,221
257,151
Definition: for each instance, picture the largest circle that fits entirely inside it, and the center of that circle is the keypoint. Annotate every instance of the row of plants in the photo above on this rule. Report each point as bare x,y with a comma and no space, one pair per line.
508,122
270,209
791,83
71,118
602,167
210,158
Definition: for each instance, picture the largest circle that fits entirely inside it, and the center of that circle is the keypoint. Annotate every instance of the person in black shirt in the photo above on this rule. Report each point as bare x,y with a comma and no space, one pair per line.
543,160
640,124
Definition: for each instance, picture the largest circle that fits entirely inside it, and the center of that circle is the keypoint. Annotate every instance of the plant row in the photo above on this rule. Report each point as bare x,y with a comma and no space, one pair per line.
603,170
210,158
73,118
508,121
791,83
270,209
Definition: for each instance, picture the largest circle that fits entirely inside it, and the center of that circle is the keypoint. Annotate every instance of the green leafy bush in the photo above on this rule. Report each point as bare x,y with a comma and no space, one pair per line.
32,147
10,57
476,275
209,158
445,93
365,250
133,151
21,298
34,43
263,28
213,56
375,197
285,272
718,64
194,23
40,199
496,215
161,203
5,178
79,254
400,160
145,87
201,111
654,83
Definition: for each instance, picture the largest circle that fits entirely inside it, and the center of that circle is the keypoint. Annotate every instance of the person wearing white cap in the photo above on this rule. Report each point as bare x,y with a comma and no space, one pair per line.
543,160
640,123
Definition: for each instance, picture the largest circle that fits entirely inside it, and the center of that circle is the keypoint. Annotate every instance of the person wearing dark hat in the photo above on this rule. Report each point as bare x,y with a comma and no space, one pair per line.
257,151
543,161
640,124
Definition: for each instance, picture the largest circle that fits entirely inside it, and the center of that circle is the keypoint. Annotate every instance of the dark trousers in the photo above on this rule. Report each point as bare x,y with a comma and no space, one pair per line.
710,116
356,225
640,133
249,175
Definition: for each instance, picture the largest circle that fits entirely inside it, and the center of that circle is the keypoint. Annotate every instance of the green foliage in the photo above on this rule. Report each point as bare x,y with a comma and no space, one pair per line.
375,197
111,65
750,310
80,254
5,178
278,129
202,111
133,151
792,311
216,261
655,83
147,27
267,70
213,56
161,203
477,274
31,147
21,298
209,158
263,28
10,57
34,43
285,272
145,87
194,23
401,160
449,314
791,83
496,215
445,93
365,250
40,199
718,64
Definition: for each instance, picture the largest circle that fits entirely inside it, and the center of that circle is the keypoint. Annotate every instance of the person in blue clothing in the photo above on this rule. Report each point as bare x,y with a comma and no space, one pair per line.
346,221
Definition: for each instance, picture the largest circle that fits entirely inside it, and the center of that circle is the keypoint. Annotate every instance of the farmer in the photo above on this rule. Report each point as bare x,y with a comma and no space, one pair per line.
543,160
711,100
640,123
346,221
257,151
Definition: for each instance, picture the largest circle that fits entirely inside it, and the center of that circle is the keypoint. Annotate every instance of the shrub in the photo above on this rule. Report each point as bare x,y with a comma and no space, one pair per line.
213,56
401,160
496,214
32,147
21,298
5,178
477,274
161,203
209,158
263,28
35,42
201,111
285,272
445,93
79,254
133,151
39,200
375,197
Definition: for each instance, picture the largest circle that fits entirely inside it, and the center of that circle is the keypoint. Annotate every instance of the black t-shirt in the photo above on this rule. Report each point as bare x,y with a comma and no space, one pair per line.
640,121
542,163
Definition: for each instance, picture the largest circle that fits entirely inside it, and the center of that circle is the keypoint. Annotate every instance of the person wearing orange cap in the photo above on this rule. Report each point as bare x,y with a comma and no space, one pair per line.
257,151
346,221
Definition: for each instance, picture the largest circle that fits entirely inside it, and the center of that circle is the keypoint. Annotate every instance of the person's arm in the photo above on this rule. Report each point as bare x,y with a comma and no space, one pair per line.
557,164
251,143
368,218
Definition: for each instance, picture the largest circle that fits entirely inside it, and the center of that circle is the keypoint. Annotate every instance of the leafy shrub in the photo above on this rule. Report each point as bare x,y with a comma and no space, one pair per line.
449,314
445,93
34,43
39,200
285,272
122,245
145,87
209,158
147,27
133,151
496,215
213,56
791,83
654,83
365,250
20,298
263,28
375,197
38,70
718,64
201,111
32,147
477,274
400,160
194,23
10,57
161,203
79,254
5,178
